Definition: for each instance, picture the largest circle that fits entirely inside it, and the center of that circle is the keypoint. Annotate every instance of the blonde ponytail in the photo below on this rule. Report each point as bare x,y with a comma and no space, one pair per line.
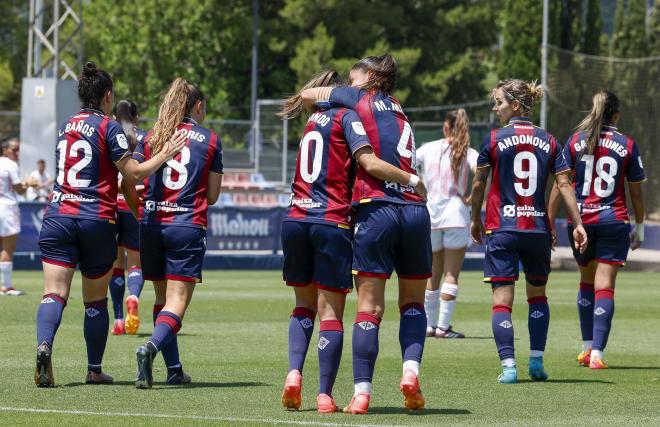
175,104
459,125
293,106
604,105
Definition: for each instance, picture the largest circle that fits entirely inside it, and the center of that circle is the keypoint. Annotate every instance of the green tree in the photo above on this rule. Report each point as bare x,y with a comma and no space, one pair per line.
521,25
629,38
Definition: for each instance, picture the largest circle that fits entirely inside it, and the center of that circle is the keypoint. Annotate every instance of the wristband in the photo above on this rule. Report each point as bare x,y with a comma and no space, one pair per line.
413,181
639,232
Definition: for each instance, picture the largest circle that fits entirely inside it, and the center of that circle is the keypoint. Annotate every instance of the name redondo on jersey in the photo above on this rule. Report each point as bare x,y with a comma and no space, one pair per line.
604,142
319,118
524,139
81,127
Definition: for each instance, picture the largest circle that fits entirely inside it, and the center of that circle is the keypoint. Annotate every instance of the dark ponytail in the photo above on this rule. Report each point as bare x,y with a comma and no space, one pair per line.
126,113
382,72
93,84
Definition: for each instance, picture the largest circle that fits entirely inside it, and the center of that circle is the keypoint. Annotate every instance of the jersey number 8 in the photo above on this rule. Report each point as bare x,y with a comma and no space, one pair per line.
603,176
180,167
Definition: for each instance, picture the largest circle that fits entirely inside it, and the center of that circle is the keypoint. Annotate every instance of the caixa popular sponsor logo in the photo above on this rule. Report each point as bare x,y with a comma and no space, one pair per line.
226,225
150,206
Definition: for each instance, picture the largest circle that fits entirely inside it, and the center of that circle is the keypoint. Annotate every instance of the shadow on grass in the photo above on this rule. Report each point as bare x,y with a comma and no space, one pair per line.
426,411
641,368
162,386
568,381
179,334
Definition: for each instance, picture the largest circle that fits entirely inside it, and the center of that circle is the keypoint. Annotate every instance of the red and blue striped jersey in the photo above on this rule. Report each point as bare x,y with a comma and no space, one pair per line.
598,178
88,146
321,188
521,157
122,206
176,193
391,137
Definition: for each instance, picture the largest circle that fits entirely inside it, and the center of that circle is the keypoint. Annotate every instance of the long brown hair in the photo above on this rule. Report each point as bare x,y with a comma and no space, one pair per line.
459,133
526,93
293,106
605,106
175,104
126,113
382,72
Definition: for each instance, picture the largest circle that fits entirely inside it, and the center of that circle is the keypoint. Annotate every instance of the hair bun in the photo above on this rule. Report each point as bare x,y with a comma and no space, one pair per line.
90,70
536,90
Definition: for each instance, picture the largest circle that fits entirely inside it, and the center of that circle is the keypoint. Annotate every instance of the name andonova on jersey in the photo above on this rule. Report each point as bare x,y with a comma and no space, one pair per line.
523,139
511,211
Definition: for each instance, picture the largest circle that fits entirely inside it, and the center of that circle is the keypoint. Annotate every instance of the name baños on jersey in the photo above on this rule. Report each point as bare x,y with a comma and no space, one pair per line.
88,146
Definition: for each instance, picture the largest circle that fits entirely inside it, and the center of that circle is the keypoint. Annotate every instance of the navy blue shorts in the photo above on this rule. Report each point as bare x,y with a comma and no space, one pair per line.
317,253
506,249
69,241
392,236
172,252
128,231
606,243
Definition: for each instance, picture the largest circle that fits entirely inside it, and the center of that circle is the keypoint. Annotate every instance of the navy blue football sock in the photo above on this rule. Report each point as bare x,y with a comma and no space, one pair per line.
135,281
167,326
96,332
503,331
365,346
412,331
603,313
585,304
170,351
49,316
116,287
331,342
538,323
301,327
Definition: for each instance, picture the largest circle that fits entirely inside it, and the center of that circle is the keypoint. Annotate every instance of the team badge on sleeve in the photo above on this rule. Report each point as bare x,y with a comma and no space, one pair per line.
358,128
122,141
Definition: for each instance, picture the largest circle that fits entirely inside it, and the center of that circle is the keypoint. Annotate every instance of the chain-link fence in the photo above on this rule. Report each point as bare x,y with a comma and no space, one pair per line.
573,79
10,124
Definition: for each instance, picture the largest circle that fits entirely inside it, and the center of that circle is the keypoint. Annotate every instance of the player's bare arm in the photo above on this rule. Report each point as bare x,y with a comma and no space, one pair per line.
567,193
635,189
553,209
138,171
387,172
312,95
214,185
477,195
130,193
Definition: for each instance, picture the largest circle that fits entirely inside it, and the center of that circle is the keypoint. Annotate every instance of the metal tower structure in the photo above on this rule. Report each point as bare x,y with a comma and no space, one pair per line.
55,39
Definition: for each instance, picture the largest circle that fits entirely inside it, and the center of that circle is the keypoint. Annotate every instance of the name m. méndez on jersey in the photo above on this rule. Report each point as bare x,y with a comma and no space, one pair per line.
523,139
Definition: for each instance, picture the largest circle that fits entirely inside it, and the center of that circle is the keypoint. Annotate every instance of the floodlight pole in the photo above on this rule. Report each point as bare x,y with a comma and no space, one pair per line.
253,91
544,65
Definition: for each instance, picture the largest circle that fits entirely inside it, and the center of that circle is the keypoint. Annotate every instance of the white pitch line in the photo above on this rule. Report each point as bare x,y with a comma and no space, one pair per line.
189,417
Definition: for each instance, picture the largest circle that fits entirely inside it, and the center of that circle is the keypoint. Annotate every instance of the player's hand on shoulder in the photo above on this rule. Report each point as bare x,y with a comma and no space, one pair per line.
175,144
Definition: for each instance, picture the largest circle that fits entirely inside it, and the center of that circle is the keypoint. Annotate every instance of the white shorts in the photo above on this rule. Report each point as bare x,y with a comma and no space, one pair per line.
449,238
10,220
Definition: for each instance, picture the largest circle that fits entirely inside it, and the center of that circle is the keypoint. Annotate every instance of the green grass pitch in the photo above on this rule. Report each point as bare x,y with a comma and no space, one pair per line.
234,345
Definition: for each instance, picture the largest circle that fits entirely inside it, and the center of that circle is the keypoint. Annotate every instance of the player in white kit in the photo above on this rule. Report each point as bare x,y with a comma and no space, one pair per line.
445,166
10,218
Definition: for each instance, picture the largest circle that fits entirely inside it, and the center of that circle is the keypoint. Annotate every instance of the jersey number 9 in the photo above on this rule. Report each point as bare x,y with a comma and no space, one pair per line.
523,173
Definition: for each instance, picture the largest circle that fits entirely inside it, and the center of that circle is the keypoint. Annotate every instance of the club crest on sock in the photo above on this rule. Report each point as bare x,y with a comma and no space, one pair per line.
506,324
536,314
306,323
92,312
323,342
600,311
366,325
412,312
584,302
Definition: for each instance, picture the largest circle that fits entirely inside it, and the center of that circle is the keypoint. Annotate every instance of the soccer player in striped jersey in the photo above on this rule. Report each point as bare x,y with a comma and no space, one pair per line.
317,235
128,238
392,229
81,214
173,221
520,156
445,166
602,159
